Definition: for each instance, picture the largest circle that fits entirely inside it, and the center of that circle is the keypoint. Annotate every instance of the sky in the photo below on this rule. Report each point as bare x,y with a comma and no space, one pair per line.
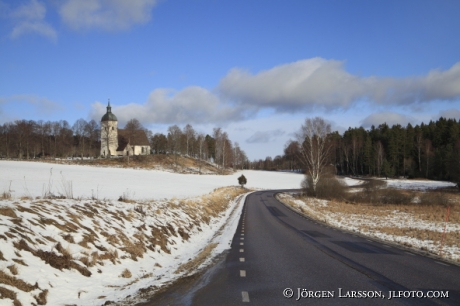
255,68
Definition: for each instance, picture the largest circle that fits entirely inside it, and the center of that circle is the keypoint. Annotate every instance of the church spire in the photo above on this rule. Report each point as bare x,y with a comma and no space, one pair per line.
109,116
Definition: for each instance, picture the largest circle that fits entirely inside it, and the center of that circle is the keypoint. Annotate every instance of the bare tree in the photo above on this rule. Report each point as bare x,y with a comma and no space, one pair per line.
174,142
79,129
379,155
92,131
189,133
159,143
315,147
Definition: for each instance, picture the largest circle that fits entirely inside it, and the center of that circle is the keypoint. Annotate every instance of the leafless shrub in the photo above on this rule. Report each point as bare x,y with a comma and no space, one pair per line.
434,198
7,194
329,188
127,197
395,196
67,187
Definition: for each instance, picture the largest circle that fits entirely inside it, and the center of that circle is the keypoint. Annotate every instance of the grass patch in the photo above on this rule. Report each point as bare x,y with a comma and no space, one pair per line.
17,283
126,274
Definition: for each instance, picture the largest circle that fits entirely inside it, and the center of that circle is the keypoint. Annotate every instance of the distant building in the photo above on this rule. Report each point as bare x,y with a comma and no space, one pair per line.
117,142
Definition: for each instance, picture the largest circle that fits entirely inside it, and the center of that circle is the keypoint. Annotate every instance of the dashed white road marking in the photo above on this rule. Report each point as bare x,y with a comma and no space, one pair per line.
245,296
242,273
242,238
241,243
241,259
241,250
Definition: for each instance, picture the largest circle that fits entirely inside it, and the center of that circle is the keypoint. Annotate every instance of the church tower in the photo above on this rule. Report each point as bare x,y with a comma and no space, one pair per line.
109,133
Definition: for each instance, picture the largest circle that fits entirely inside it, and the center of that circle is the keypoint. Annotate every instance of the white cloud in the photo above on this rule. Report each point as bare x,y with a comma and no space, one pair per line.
30,18
165,106
324,84
449,114
106,14
265,136
390,118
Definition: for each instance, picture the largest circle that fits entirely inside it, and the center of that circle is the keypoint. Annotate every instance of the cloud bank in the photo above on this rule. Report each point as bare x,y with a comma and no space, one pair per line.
324,84
194,105
111,15
30,18
390,118
316,83
265,136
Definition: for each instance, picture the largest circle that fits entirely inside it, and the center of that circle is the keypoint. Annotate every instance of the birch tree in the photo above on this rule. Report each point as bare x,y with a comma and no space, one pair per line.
315,147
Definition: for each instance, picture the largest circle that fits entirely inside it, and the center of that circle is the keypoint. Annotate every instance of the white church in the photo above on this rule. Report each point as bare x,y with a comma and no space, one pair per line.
118,142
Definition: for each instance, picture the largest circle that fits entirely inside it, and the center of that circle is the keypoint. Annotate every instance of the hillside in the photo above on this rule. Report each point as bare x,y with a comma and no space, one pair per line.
85,235
164,162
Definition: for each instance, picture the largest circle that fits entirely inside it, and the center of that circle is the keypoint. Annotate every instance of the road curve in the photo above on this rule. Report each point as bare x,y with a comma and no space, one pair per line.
277,253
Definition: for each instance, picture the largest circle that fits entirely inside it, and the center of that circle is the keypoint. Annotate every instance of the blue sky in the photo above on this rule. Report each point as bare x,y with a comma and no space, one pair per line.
255,68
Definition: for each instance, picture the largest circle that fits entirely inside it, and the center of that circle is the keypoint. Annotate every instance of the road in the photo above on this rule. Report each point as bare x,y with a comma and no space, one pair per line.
275,250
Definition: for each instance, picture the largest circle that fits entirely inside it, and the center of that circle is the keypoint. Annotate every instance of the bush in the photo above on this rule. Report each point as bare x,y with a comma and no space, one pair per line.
328,187
434,198
242,180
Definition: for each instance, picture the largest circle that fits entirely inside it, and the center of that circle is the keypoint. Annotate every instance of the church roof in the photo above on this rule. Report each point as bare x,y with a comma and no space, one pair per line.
108,115
135,138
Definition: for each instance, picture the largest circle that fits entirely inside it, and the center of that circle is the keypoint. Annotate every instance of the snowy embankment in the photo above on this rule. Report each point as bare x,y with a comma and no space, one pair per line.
89,248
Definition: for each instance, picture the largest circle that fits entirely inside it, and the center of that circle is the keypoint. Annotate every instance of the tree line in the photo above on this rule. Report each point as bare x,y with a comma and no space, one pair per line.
28,139
429,151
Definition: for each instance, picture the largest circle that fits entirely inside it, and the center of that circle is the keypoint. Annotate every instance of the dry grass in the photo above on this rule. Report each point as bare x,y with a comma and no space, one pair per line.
126,274
8,294
15,282
56,261
8,212
41,298
13,269
154,161
1,256
416,214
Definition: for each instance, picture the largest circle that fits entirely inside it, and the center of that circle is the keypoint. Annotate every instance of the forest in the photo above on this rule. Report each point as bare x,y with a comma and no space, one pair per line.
28,139
430,151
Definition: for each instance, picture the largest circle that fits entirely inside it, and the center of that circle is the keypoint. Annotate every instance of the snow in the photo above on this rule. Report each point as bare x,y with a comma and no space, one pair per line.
34,179
99,189
417,184
400,183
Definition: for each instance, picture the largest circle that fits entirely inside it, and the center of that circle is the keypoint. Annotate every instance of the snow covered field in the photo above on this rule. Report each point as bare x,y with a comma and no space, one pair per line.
401,183
92,248
34,179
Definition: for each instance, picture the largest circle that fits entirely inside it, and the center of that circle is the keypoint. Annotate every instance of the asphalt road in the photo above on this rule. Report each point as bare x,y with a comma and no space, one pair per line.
277,252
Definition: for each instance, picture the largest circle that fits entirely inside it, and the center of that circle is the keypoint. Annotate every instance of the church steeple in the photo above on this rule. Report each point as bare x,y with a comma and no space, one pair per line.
109,116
